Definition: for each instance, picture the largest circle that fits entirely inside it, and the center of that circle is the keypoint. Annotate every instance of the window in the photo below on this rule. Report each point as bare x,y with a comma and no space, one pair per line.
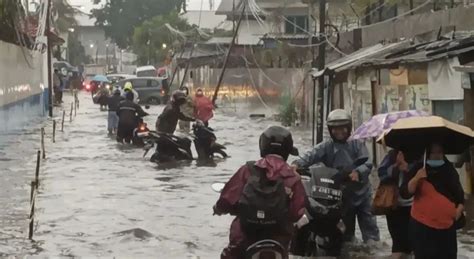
153,83
296,24
139,83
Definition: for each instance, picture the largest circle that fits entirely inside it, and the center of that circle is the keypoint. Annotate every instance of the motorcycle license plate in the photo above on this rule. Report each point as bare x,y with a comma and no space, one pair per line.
326,192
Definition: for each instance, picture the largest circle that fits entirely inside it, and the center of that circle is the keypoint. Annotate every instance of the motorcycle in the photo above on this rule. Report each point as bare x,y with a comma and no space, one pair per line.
205,142
168,147
325,188
262,249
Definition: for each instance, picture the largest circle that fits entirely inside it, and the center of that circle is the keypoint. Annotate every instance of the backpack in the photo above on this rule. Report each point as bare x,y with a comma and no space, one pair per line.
264,204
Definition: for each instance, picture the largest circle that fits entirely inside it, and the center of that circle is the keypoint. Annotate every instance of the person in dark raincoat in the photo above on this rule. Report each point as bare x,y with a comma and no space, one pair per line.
340,152
168,119
438,206
113,103
129,114
274,163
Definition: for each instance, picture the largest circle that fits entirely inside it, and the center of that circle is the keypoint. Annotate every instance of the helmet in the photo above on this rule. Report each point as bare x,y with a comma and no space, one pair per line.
339,118
277,140
178,97
117,91
128,86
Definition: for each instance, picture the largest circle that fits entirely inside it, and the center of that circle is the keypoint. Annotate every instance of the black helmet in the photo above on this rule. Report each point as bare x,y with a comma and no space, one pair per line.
277,140
178,97
339,118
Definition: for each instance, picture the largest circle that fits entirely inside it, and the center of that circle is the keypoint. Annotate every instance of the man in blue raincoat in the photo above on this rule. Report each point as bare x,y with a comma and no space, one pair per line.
339,152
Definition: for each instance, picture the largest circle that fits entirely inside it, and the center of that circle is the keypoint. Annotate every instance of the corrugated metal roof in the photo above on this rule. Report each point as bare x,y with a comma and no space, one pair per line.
404,52
219,40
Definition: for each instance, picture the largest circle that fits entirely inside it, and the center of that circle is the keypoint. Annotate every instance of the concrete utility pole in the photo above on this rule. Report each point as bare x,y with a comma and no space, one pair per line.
321,67
48,53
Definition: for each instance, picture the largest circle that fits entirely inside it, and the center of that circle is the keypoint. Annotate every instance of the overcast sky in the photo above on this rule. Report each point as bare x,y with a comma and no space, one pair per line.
192,4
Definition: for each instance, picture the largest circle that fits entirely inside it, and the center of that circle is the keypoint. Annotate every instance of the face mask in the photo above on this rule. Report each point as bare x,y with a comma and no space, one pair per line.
435,163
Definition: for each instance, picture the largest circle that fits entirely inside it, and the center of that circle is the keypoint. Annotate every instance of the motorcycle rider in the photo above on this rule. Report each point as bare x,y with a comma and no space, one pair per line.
129,114
168,119
340,152
239,196
187,109
128,87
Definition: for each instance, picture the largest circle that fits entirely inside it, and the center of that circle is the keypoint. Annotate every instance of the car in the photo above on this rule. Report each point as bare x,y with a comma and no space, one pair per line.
113,78
151,90
146,71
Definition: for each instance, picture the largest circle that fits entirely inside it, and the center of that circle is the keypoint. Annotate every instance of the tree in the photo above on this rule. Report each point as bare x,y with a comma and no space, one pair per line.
76,52
150,38
63,14
120,18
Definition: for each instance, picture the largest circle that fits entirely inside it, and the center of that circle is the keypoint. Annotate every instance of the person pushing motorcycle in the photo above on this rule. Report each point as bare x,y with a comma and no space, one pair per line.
340,152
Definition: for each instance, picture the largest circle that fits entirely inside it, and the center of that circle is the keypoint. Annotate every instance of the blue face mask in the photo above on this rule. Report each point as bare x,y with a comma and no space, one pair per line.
435,163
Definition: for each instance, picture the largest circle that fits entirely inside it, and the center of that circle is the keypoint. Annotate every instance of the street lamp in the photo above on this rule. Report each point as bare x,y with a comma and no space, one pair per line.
164,46
91,46
71,29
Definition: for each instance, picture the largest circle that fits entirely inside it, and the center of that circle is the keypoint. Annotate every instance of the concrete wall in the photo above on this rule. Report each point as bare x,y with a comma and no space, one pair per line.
412,25
23,92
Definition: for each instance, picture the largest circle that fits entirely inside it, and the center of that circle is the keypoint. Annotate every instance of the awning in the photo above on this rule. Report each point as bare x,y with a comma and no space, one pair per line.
347,60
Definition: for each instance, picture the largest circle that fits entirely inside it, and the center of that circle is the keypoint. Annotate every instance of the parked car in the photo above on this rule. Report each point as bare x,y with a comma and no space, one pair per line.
146,71
151,90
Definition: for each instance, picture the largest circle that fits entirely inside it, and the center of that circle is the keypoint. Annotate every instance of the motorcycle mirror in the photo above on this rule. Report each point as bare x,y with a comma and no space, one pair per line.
217,187
147,107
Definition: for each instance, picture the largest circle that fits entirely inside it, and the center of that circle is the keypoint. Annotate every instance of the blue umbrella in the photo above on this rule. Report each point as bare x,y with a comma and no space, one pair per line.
100,78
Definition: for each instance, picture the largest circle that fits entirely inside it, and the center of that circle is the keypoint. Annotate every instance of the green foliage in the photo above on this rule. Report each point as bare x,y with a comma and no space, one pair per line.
120,18
64,15
288,113
148,38
10,13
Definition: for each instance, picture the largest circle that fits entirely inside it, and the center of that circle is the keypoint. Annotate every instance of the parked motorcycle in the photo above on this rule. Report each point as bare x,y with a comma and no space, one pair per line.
205,142
325,188
262,249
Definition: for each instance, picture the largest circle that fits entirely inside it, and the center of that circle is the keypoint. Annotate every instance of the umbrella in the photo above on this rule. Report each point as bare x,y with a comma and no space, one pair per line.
376,125
100,78
416,133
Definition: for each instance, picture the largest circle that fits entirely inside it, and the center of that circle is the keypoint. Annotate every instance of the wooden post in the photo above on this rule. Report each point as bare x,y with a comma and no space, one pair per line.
70,114
43,149
373,85
62,122
54,131
38,163
32,211
232,43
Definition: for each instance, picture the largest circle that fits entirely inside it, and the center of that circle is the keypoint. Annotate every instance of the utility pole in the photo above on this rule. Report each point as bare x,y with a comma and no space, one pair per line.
321,67
48,53
229,51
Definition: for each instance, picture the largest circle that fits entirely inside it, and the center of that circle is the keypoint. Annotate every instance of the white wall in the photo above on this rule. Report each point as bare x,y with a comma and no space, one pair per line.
23,78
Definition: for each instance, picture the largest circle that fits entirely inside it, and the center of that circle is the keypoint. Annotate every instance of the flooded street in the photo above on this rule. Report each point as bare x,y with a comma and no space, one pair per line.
101,199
